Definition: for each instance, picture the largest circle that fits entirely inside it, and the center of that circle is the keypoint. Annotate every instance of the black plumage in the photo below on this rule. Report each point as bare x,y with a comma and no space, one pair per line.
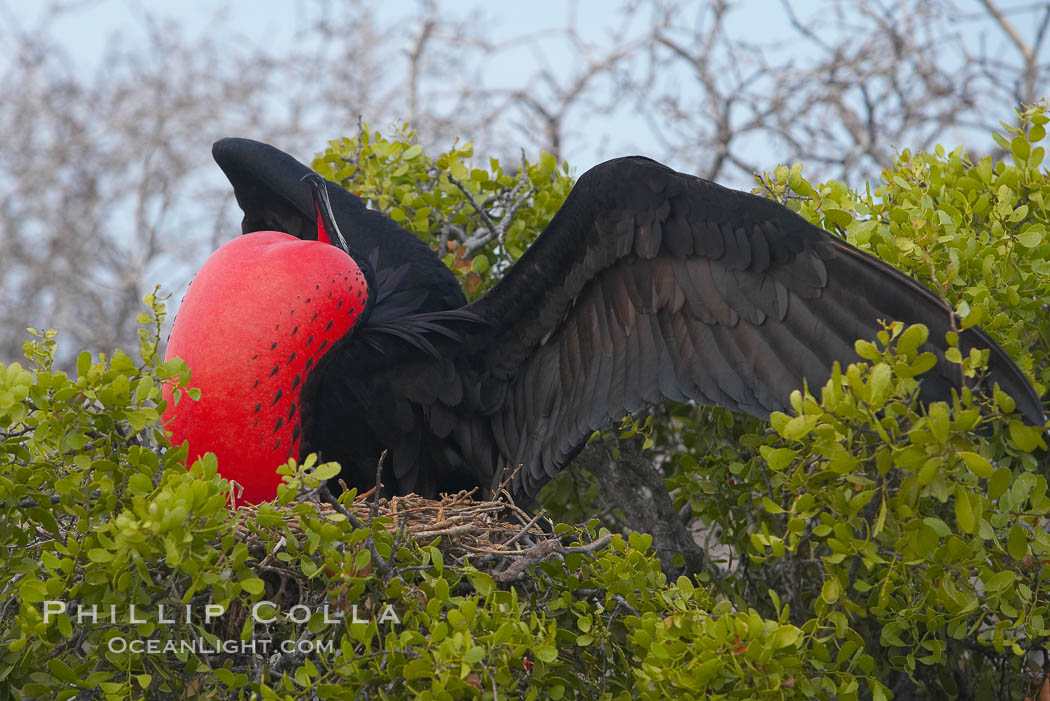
647,285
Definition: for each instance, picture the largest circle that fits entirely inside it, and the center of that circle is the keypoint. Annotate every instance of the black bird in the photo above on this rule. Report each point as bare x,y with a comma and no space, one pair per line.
647,285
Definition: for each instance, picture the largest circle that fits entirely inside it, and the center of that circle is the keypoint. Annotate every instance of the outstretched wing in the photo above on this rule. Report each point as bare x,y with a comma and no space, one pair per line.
269,187
651,285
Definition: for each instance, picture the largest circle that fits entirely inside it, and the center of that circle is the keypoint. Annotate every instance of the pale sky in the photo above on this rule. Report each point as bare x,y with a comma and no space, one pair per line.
272,24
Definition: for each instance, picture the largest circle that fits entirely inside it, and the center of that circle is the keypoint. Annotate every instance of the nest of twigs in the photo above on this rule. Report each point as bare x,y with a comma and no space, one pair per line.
466,526
493,535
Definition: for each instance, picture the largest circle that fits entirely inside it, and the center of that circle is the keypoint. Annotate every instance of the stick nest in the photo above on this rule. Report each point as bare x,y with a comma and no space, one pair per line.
466,526
495,535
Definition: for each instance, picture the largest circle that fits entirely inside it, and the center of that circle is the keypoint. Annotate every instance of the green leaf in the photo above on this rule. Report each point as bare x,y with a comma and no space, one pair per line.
76,441
65,626
798,427
640,541
1019,147
938,420
253,585
999,482
1004,401
881,375
326,471
140,484
83,363
912,337
547,162
999,581
880,519
706,671
33,591
417,669
1030,238
480,263
483,583
62,671
929,469
771,506
939,527
978,464
1017,542
831,590
1036,157
786,636
1027,438
547,653
505,632
778,458
924,362
867,350
99,555
964,516
437,558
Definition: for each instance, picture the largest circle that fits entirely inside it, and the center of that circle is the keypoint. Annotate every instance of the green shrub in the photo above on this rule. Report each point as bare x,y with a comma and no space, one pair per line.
869,544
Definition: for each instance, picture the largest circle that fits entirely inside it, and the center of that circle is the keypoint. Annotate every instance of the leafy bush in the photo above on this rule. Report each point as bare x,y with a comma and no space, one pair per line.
919,532
868,546
479,220
97,514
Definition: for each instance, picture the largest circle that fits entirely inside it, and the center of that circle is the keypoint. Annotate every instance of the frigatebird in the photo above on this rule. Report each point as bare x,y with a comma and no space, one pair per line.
327,328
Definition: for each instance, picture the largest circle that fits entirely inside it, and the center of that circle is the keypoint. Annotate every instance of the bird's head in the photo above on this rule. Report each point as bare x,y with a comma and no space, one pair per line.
257,320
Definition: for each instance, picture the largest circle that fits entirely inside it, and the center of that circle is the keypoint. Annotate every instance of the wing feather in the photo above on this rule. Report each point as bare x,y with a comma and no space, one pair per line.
650,285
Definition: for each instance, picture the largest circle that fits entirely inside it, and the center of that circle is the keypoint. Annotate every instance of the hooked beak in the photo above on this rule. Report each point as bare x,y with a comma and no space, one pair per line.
327,229
328,232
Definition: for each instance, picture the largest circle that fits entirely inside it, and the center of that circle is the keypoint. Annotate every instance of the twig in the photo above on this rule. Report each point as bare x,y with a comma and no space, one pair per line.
381,564
280,544
502,487
475,243
542,551
379,485
480,209
465,528
524,530
331,499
